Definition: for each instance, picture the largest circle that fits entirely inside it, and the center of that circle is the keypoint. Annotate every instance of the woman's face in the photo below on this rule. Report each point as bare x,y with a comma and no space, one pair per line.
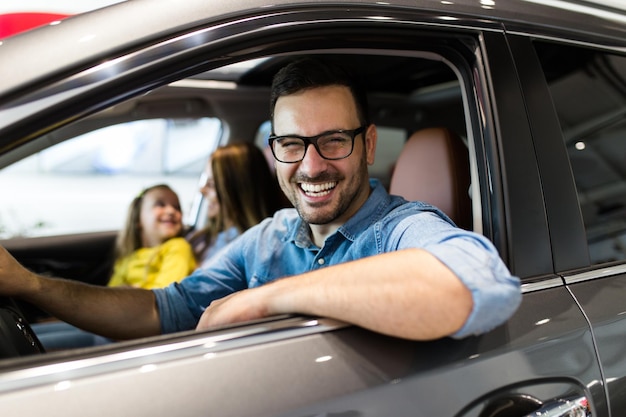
208,190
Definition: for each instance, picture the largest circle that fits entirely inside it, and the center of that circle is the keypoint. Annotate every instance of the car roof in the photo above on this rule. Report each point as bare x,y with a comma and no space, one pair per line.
83,38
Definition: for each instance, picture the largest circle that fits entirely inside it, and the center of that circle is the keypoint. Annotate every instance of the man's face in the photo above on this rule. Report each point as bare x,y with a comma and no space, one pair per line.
324,191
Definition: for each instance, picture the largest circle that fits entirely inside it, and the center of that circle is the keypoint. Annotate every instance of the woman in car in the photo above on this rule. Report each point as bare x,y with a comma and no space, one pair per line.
240,191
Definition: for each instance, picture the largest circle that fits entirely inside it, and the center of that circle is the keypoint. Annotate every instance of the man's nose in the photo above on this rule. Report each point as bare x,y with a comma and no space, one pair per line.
312,162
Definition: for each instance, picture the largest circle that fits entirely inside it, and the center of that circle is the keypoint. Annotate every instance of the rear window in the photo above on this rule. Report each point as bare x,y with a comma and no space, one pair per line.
588,88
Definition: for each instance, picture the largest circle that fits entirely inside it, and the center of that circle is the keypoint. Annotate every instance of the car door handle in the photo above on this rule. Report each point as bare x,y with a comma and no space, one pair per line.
564,407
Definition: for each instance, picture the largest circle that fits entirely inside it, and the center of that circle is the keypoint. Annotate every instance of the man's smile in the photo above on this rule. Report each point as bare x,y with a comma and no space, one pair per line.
317,190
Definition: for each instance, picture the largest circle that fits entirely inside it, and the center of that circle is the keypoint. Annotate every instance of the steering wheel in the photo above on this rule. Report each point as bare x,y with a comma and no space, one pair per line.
16,336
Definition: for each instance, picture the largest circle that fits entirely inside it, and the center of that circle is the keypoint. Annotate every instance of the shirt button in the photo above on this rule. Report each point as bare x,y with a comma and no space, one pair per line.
320,261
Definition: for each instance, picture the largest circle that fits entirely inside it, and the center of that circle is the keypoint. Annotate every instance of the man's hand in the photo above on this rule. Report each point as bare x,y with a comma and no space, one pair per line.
242,306
15,280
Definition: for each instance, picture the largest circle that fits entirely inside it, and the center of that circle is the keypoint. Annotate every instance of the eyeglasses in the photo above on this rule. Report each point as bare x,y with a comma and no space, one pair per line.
332,145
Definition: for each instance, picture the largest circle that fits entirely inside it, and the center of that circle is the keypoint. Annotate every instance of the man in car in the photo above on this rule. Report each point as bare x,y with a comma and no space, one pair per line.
347,251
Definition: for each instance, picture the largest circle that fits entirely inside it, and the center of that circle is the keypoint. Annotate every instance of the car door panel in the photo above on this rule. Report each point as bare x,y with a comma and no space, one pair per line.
543,354
598,290
601,297
530,229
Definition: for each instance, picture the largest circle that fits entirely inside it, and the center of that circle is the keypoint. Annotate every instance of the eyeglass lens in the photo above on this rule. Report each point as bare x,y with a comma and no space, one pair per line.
334,145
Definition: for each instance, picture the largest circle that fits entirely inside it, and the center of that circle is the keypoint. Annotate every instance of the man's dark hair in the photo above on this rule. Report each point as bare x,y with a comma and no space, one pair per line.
309,73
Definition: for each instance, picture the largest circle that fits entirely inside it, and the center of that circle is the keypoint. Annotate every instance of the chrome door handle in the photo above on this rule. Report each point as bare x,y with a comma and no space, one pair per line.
565,407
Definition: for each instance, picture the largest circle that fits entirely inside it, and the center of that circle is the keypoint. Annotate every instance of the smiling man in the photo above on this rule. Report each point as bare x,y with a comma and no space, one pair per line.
348,250
326,192
351,251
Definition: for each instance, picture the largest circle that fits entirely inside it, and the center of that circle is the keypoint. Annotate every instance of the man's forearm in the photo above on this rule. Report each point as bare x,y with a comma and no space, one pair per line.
111,312
408,294
119,313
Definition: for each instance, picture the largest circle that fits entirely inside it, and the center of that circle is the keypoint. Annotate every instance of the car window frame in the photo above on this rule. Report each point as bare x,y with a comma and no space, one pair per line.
567,232
516,236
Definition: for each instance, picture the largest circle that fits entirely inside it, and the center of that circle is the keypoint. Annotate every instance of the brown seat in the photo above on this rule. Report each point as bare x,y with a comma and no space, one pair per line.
434,167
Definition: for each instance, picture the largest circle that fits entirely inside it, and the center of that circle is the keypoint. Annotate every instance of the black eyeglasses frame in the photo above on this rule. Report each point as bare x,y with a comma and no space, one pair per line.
312,140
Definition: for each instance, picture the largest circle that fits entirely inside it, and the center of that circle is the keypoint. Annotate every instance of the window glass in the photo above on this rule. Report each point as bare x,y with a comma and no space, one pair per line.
589,93
86,183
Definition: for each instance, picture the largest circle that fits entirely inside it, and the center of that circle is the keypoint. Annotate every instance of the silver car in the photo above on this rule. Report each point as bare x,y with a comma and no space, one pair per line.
535,94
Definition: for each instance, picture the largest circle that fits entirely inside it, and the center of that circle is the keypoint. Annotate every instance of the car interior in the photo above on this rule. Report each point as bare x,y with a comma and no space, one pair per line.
417,97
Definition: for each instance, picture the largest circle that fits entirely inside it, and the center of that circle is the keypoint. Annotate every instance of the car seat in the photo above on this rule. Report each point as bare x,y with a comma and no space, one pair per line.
433,167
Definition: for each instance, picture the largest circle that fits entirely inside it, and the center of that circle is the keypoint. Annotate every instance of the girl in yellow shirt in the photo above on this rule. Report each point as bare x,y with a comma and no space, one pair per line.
240,166
150,251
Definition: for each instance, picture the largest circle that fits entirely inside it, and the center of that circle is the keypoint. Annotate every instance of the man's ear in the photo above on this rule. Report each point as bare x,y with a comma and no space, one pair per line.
371,137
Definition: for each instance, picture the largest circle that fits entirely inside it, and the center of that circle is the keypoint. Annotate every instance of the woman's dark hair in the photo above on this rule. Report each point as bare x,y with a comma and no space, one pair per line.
307,73
246,189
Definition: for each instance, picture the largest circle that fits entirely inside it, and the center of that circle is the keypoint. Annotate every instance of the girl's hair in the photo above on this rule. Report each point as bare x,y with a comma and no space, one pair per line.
129,238
246,189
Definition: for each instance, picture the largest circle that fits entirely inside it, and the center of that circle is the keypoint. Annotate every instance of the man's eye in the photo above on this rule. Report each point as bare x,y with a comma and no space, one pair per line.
335,139
290,143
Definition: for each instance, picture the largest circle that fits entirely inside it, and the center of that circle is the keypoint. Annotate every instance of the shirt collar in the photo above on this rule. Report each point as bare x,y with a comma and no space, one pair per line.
369,213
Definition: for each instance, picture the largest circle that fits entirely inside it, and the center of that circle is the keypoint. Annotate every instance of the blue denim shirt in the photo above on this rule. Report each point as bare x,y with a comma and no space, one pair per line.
221,240
281,246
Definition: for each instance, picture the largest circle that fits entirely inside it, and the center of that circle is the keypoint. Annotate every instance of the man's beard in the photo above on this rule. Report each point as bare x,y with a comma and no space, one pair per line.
342,202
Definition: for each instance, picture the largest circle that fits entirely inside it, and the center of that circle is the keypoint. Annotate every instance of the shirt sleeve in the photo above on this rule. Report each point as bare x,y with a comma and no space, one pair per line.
472,257
177,262
182,303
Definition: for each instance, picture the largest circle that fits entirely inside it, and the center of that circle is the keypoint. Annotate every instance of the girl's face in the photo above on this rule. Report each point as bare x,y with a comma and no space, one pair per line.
210,195
160,217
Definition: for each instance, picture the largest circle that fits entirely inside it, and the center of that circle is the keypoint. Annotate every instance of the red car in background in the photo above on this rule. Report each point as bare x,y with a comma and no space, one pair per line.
16,17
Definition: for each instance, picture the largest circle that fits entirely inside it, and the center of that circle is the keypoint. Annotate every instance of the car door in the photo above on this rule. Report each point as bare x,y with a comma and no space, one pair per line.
577,126
543,357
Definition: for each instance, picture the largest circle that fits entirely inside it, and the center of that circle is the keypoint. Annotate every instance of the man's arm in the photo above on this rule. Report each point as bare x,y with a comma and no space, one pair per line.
407,293
119,313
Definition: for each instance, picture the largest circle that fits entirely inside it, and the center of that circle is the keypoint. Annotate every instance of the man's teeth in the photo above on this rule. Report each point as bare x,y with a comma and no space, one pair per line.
320,189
